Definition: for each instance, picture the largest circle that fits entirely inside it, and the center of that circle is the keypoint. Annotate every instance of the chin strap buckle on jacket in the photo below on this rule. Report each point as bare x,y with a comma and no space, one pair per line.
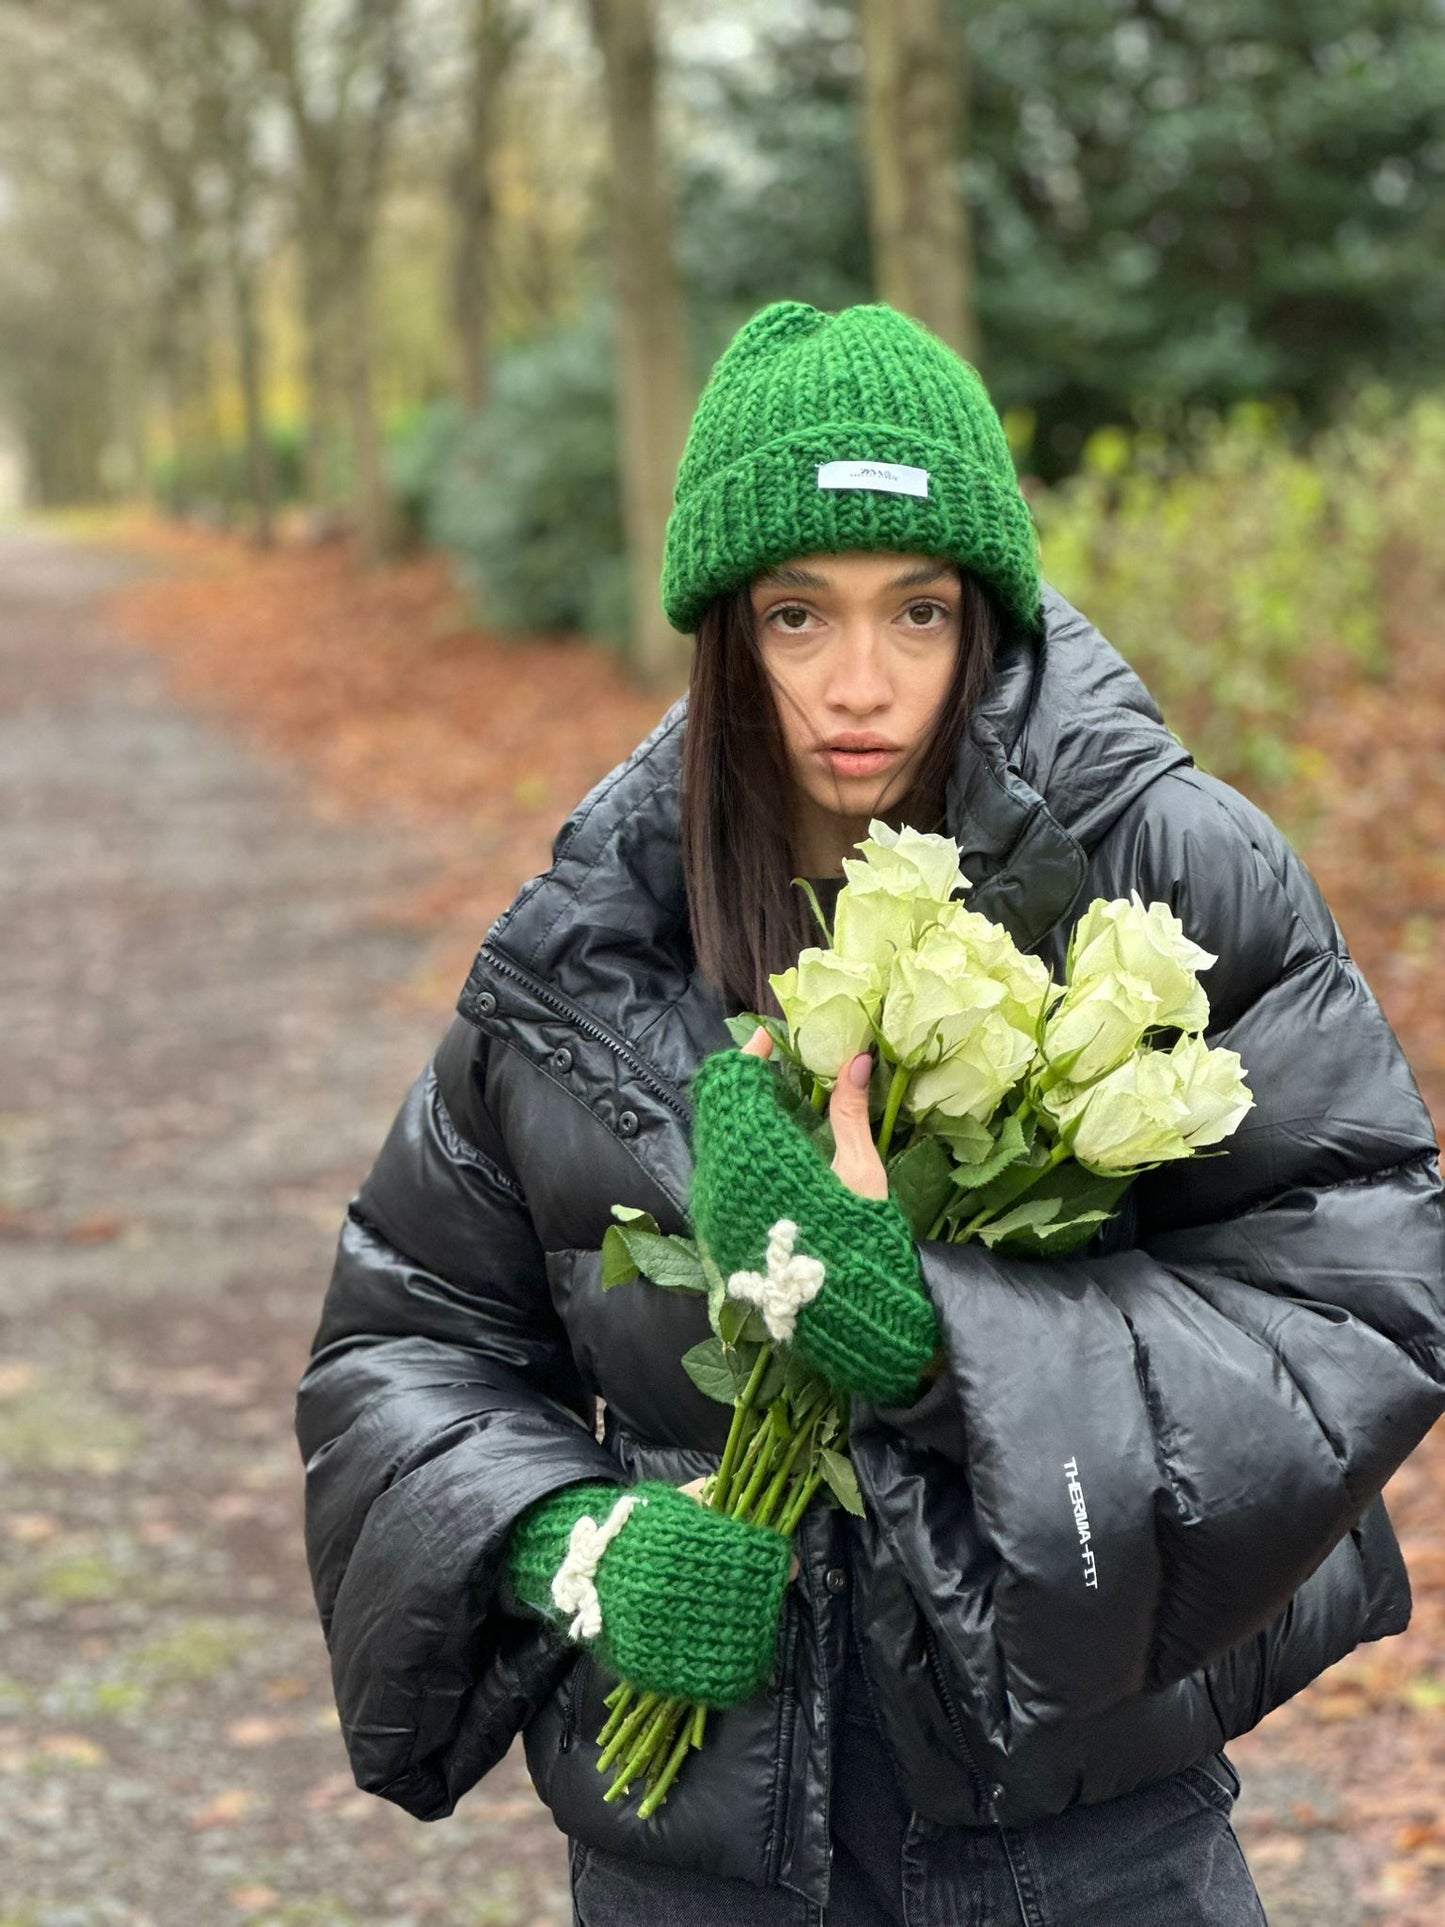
574,1585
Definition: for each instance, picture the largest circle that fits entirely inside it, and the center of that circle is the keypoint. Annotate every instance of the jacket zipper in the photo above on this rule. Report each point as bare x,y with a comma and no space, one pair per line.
955,1720
787,1719
591,1028
574,1703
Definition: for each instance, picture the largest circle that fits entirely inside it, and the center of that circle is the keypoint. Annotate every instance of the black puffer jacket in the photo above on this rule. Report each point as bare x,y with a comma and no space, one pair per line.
1218,1389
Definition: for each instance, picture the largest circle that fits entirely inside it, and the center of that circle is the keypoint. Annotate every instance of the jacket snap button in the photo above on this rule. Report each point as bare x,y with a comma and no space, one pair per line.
835,1579
627,1123
486,1003
996,1792
562,1058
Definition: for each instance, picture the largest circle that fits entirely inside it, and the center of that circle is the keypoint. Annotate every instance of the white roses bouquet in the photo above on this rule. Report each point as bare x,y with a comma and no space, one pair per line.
1005,1082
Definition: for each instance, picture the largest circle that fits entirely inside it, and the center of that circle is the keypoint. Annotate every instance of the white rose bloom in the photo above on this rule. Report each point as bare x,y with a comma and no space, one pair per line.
1213,1089
911,862
872,925
829,1004
894,891
965,1036
1148,944
934,1002
1158,1106
1098,1025
993,951
975,1077
1130,1118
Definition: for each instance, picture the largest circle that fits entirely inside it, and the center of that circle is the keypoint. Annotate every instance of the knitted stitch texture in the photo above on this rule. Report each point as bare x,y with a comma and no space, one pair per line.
872,1328
690,1599
796,387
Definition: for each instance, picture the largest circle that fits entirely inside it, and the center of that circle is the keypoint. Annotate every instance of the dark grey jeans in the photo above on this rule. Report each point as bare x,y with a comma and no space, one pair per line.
1165,1856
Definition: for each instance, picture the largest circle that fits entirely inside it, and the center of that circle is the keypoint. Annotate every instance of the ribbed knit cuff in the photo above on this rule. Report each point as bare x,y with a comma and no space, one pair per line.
537,1545
872,1328
690,1600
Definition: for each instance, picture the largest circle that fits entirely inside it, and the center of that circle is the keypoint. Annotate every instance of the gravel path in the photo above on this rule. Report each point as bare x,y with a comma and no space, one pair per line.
208,1026
202,1054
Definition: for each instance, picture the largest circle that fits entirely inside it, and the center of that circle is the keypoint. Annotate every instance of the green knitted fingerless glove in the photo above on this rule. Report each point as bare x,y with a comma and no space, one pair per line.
872,1328
690,1599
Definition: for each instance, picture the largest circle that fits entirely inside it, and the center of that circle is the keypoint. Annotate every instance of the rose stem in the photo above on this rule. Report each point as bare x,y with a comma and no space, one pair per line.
749,1456
619,1702
790,1520
699,1721
760,1470
681,1718
658,1794
741,1413
896,1089
764,1513
628,1730
635,1760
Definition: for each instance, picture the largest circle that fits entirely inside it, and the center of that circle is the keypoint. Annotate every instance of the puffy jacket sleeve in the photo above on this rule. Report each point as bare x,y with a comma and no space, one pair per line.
1162,1443
440,1400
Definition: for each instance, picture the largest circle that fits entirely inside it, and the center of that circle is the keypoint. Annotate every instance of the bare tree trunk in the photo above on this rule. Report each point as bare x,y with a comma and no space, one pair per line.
342,144
249,353
369,492
653,389
317,245
915,122
494,37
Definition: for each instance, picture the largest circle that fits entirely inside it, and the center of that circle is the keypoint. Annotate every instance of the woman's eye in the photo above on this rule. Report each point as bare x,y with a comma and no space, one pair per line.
929,611
781,617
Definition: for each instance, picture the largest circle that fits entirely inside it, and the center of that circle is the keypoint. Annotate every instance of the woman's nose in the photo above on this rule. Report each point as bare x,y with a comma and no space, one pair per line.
859,679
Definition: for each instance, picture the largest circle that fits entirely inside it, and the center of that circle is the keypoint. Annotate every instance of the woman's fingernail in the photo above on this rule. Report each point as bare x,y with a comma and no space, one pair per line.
860,1070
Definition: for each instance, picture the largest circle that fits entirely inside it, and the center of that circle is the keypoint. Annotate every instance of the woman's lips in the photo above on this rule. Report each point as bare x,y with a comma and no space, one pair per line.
858,762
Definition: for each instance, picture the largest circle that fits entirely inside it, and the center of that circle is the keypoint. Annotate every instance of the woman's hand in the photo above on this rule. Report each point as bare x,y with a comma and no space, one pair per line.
855,1155
872,1328
693,1489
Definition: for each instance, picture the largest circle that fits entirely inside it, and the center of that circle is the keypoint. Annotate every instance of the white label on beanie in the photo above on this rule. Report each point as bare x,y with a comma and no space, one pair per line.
890,476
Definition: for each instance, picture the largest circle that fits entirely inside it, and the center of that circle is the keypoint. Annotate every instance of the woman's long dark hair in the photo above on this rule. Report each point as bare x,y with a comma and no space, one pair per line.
748,919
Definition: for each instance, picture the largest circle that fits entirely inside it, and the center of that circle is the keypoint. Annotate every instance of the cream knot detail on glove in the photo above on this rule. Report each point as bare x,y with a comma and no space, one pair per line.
574,1585
788,1284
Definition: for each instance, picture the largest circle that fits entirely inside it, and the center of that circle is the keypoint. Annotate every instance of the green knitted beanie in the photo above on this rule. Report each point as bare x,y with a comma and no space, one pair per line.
821,433
690,1599
872,1327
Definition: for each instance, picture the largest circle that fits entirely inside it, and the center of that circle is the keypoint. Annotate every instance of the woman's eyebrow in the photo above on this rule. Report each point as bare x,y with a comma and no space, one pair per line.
787,575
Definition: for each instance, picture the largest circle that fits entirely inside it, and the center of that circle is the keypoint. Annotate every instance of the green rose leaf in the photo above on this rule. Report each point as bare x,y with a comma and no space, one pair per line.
738,1322
773,1379
618,1267
1011,1144
921,1180
741,1028
1027,1216
1064,1235
709,1366
633,1214
672,1263
799,1378
841,1480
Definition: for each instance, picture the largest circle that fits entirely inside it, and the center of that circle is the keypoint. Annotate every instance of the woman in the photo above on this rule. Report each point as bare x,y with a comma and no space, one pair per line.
1118,1507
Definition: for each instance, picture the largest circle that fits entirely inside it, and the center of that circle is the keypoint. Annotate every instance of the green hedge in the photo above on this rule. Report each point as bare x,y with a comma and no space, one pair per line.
1231,569
527,495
